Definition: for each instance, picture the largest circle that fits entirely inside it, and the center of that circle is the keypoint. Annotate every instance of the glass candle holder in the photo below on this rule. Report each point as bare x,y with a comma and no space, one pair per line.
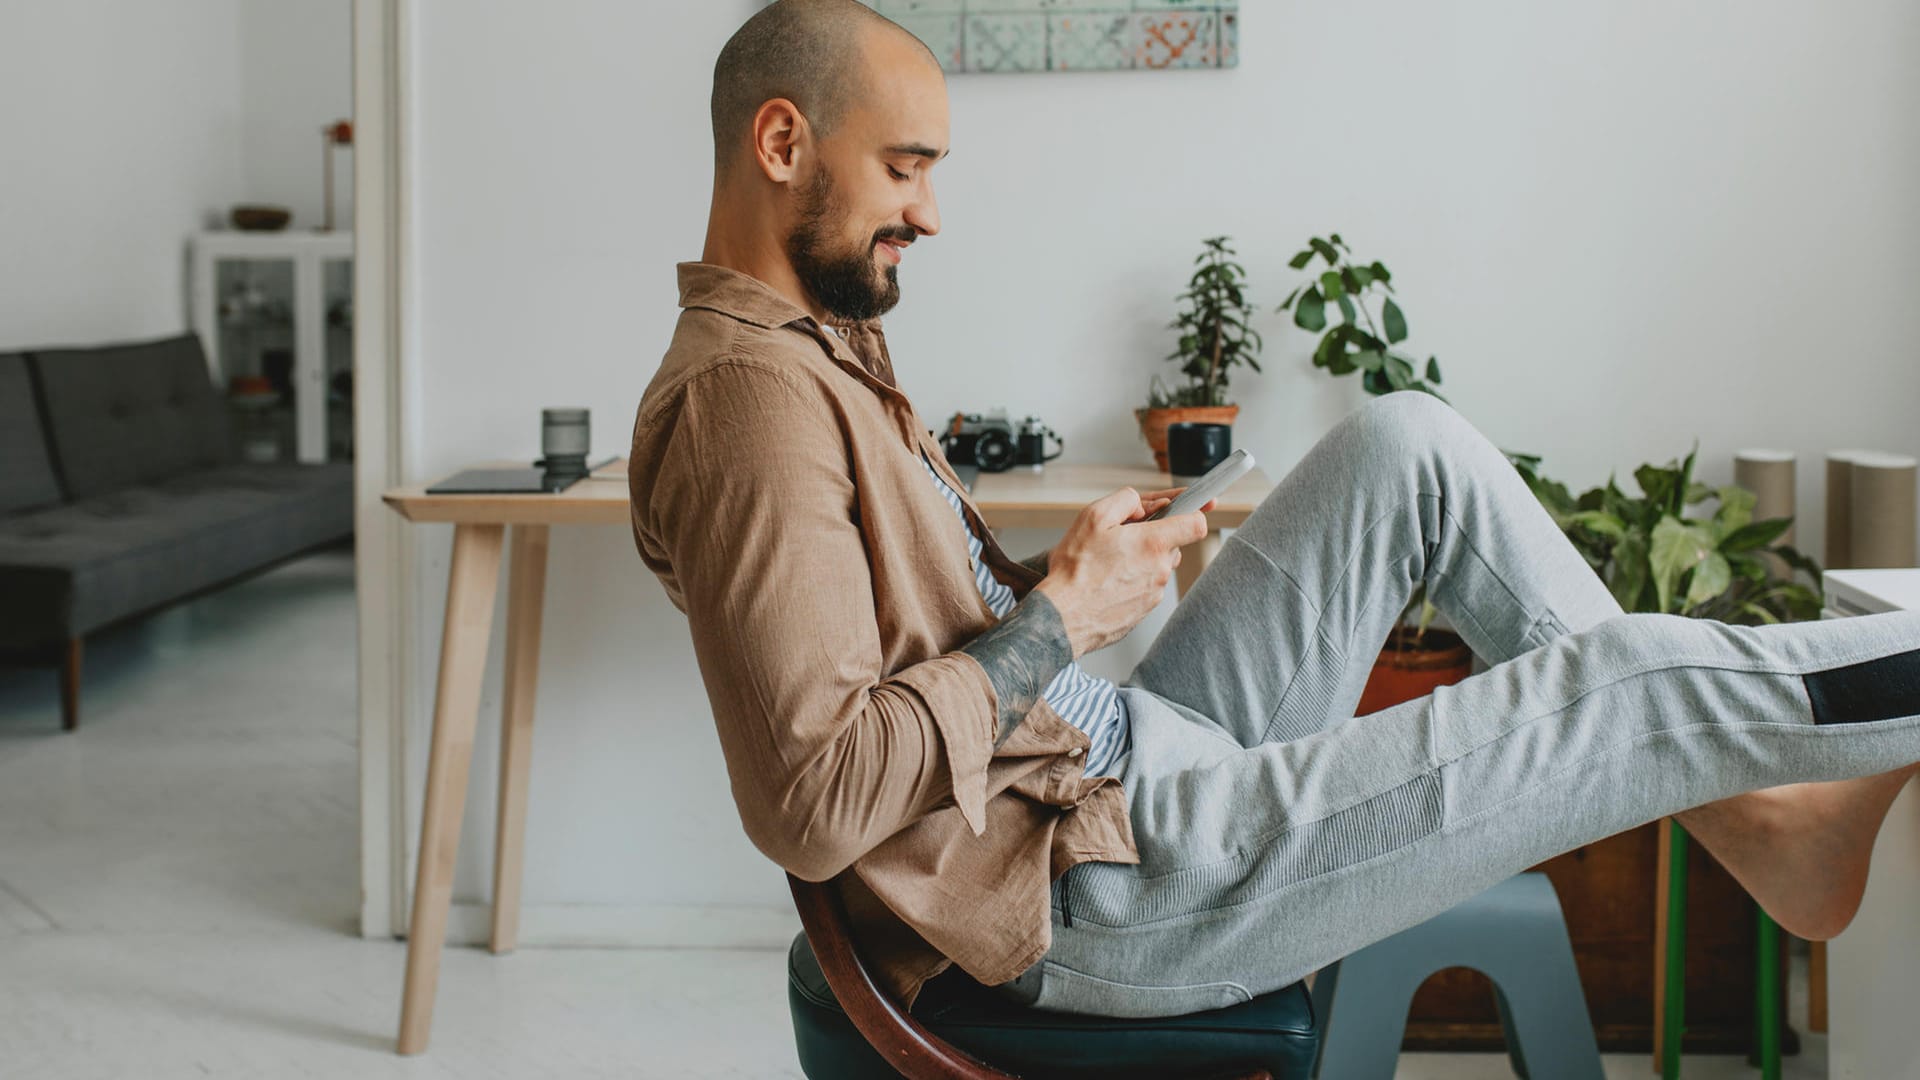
564,438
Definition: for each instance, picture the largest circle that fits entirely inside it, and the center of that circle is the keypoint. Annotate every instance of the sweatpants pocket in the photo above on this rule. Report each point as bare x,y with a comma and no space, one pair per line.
1064,989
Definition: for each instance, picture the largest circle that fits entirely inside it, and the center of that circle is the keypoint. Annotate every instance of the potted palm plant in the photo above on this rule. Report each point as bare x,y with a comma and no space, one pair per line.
1214,336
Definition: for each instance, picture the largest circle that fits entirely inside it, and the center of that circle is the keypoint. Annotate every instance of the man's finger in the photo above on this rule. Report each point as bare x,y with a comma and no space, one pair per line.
1178,530
1116,507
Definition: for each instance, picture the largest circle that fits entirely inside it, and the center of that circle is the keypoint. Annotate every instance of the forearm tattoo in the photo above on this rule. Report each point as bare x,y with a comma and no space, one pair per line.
1037,563
1022,653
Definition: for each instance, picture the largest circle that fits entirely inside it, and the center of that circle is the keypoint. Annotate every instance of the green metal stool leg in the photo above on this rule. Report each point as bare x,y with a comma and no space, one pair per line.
1673,1020
1766,1004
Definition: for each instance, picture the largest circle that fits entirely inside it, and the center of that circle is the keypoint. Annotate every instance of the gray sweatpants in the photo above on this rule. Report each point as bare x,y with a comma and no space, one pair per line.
1278,832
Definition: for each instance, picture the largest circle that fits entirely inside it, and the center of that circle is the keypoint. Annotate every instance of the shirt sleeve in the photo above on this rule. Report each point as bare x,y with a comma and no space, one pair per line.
828,754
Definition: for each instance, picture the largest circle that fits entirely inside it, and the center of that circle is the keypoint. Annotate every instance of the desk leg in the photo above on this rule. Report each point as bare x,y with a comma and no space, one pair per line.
471,583
1194,559
526,586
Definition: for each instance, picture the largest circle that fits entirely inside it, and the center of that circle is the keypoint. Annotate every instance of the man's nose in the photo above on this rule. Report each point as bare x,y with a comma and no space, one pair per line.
924,213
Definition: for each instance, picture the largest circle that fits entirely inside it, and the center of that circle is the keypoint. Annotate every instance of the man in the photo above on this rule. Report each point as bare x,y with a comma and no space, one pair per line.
899,702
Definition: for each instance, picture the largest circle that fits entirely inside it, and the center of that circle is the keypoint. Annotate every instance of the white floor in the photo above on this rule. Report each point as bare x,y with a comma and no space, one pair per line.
178,888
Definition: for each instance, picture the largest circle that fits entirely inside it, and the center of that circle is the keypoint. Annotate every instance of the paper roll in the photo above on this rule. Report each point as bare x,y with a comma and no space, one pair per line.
1881,518
1839,554
1769,474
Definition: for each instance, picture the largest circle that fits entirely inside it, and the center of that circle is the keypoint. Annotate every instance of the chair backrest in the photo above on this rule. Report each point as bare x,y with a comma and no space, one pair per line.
917,1053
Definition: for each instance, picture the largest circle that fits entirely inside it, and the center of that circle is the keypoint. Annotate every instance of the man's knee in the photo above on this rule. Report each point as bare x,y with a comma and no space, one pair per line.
1409,421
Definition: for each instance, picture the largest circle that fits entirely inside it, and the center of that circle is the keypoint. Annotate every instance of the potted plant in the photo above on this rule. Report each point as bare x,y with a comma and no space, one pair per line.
1654,557
1214,336
1338,303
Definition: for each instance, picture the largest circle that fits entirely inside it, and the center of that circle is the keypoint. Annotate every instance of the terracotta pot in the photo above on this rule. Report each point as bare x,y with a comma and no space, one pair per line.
1402,674
1153,424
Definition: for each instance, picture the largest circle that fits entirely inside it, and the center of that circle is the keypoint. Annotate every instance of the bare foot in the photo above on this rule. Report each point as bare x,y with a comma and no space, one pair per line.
1801,850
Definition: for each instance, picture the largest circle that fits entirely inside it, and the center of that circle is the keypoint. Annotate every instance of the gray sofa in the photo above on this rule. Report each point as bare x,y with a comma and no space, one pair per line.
120,493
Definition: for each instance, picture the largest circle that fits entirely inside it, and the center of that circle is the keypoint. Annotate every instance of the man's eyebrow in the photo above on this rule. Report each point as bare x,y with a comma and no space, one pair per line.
920,150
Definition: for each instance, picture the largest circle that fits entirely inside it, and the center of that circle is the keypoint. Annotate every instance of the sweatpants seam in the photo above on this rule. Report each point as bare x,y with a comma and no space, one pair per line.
1437,765
1662,664
1646,736
1460,531
1320,617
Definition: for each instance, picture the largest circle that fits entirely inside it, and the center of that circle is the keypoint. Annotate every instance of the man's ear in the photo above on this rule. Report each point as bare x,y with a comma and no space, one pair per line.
780,131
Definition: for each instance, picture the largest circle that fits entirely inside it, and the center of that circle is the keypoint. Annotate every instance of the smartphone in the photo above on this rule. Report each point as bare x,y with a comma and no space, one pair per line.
1218,479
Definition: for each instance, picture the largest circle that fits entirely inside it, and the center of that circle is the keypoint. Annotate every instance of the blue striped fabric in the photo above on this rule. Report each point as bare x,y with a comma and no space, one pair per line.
1088,702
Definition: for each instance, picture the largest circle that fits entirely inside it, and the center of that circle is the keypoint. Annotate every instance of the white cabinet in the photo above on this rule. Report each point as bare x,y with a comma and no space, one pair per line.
279,304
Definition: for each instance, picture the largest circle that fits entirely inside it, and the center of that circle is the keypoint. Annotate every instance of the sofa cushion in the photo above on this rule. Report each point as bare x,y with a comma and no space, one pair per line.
70,569
122,415
26,472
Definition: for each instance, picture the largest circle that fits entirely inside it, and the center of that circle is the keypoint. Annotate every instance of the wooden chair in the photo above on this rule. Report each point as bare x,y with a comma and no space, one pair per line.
847,1028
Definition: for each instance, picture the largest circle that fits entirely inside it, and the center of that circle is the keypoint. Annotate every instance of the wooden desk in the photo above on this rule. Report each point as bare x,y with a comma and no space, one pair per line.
1016,499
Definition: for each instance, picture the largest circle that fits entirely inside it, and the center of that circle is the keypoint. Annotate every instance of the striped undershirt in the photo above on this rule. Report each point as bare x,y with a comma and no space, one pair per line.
1088,702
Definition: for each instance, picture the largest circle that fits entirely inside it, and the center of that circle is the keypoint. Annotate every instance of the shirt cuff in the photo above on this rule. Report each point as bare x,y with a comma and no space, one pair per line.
965,710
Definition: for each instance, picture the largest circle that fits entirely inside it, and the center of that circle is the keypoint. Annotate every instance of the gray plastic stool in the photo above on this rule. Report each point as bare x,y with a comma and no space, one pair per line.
1515,934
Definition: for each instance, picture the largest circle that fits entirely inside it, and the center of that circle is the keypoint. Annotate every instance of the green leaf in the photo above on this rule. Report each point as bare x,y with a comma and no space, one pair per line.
1330,285
1288,302
1675,549
1310,313
1736,508
1300,261
1630,571
1346,308
1370,359
1325,249
1710,579
1600,522
1359,277
1396,323
1335,237
1433,369
1657,484
1756,534
1380,273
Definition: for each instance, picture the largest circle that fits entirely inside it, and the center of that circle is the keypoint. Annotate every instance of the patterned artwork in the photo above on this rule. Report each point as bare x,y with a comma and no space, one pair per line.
1072,35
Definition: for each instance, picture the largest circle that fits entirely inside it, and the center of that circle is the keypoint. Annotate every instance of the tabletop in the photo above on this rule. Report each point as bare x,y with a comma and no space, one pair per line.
1017,498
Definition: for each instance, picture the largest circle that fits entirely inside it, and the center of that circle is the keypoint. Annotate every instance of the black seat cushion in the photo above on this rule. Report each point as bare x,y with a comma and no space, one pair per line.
27,479
71,568
1274,1031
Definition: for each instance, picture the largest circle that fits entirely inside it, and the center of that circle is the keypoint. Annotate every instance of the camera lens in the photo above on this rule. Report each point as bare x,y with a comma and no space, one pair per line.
993,451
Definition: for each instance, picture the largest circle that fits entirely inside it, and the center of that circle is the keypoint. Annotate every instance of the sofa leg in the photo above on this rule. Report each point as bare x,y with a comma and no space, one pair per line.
70,686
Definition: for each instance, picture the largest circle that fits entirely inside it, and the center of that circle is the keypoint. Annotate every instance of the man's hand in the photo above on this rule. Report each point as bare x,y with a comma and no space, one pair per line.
1111,568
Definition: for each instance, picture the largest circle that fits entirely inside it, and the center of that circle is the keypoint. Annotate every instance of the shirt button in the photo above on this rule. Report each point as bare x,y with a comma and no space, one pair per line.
1075,752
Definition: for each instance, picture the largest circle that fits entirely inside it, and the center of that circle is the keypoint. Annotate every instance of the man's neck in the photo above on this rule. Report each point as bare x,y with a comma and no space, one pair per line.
738,244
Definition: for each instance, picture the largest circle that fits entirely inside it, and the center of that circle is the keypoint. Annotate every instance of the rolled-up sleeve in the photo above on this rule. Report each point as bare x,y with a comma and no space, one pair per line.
753,501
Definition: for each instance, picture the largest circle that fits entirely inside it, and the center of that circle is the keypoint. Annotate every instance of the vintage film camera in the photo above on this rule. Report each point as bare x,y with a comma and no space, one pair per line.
991,444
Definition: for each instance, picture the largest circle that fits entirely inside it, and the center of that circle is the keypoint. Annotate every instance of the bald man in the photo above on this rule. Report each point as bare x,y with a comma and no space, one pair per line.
900,702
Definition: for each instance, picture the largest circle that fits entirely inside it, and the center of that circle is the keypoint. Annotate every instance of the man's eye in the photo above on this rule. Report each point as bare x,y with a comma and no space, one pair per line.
896,173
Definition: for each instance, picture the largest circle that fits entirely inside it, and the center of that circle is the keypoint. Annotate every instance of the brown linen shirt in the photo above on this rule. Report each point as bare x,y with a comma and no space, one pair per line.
776,492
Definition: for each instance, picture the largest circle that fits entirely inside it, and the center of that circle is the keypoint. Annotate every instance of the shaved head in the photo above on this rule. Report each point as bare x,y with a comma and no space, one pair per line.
810,52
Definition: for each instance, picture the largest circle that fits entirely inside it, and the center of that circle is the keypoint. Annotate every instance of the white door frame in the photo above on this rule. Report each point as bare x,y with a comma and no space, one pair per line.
383,351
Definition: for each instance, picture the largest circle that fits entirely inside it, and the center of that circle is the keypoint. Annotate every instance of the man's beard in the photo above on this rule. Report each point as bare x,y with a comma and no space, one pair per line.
844,283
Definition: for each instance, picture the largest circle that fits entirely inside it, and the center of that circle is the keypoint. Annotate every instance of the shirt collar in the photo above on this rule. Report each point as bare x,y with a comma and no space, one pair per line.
747,298
732,293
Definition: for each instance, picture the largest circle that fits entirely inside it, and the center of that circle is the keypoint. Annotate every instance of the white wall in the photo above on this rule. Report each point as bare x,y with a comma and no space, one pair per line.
121,131
128,125
1620,227
297,68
